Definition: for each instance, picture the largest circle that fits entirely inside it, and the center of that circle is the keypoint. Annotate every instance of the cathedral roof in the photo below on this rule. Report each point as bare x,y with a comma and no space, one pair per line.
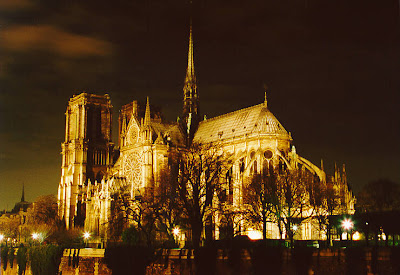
252,120
170,132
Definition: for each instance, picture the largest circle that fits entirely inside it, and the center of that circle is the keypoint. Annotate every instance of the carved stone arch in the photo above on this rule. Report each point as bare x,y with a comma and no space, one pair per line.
132,168
132,134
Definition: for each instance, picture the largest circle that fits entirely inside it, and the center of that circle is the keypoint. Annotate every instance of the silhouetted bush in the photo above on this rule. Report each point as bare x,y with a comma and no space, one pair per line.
45,259
22,259
4,256
130,236
11,256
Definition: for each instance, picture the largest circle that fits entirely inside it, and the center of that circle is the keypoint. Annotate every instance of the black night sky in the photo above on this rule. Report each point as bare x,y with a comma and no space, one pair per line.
332,68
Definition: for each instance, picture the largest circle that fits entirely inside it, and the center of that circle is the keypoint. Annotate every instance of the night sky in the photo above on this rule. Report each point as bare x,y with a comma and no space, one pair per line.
332,68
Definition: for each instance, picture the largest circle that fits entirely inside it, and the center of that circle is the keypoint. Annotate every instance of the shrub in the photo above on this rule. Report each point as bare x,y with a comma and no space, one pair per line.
4,256
22,259
130,236
11,256
45,259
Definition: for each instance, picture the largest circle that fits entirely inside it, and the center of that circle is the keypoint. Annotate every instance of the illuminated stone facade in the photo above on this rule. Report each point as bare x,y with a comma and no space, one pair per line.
252,135
86,151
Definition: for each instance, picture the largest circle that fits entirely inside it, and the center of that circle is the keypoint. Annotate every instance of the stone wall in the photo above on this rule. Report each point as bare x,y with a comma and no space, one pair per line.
242,261
84,262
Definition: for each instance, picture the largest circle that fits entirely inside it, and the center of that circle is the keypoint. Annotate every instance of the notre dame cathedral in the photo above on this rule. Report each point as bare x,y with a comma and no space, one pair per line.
92,167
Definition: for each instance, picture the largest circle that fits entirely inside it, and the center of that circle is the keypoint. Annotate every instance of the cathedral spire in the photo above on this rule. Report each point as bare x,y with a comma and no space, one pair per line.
191,114
190,76
23,192
265,95
147,113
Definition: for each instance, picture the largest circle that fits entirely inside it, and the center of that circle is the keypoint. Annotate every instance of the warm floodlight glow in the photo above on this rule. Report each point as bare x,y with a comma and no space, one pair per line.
254,234
35,236
86,235
347,224
176,231
1,237
295,227
356,236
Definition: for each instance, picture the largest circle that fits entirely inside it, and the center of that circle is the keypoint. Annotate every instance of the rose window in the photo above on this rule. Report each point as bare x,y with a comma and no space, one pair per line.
132,168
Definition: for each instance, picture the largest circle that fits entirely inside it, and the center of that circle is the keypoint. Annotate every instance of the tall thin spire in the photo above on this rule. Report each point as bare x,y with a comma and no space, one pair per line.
191,113
23,192
265,95
190,76
147,113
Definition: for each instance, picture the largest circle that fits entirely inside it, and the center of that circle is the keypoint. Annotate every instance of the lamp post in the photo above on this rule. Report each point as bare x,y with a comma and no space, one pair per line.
37,237
86,237
347,225
176,231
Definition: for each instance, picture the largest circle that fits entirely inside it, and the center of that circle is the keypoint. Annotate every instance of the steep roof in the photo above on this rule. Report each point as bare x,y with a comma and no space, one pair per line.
252,120
169,132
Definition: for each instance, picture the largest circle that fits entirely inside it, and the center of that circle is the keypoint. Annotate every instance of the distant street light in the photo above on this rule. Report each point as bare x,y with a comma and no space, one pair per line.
86,236
1,237
35,236
347,224
39,237
176,231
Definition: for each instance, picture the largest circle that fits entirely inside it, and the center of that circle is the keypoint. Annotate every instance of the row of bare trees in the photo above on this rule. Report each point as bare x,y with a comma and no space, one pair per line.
190,192
289,197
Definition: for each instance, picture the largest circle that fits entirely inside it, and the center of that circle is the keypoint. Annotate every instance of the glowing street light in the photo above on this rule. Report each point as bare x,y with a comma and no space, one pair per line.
1,237
35,236
347,224
176,231
86,236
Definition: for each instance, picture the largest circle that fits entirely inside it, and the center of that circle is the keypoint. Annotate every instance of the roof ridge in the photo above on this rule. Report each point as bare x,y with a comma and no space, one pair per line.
231,113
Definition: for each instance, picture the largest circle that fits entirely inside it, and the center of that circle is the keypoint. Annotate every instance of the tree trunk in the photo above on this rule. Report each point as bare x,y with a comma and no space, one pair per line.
264,227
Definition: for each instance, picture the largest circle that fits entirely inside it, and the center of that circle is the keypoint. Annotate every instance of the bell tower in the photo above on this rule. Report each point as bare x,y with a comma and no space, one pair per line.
191,112
86,152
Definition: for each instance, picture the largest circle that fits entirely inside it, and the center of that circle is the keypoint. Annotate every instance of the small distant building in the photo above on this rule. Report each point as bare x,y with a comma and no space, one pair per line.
14,223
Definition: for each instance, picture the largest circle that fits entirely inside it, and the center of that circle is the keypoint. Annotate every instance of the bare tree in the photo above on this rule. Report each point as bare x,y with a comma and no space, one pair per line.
260,197
290,204
45,210
326,202
140,211
168,206
200,167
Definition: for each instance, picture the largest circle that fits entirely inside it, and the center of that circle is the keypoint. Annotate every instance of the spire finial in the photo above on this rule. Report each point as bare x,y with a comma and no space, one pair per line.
147,114
265,94
190,76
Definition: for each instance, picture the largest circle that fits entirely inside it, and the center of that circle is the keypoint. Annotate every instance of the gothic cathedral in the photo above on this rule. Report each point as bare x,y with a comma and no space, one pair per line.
92,169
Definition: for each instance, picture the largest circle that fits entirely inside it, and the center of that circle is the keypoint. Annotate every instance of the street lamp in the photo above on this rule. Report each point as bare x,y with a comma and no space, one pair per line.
1,237
176,231
35,236
86,237
347,225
